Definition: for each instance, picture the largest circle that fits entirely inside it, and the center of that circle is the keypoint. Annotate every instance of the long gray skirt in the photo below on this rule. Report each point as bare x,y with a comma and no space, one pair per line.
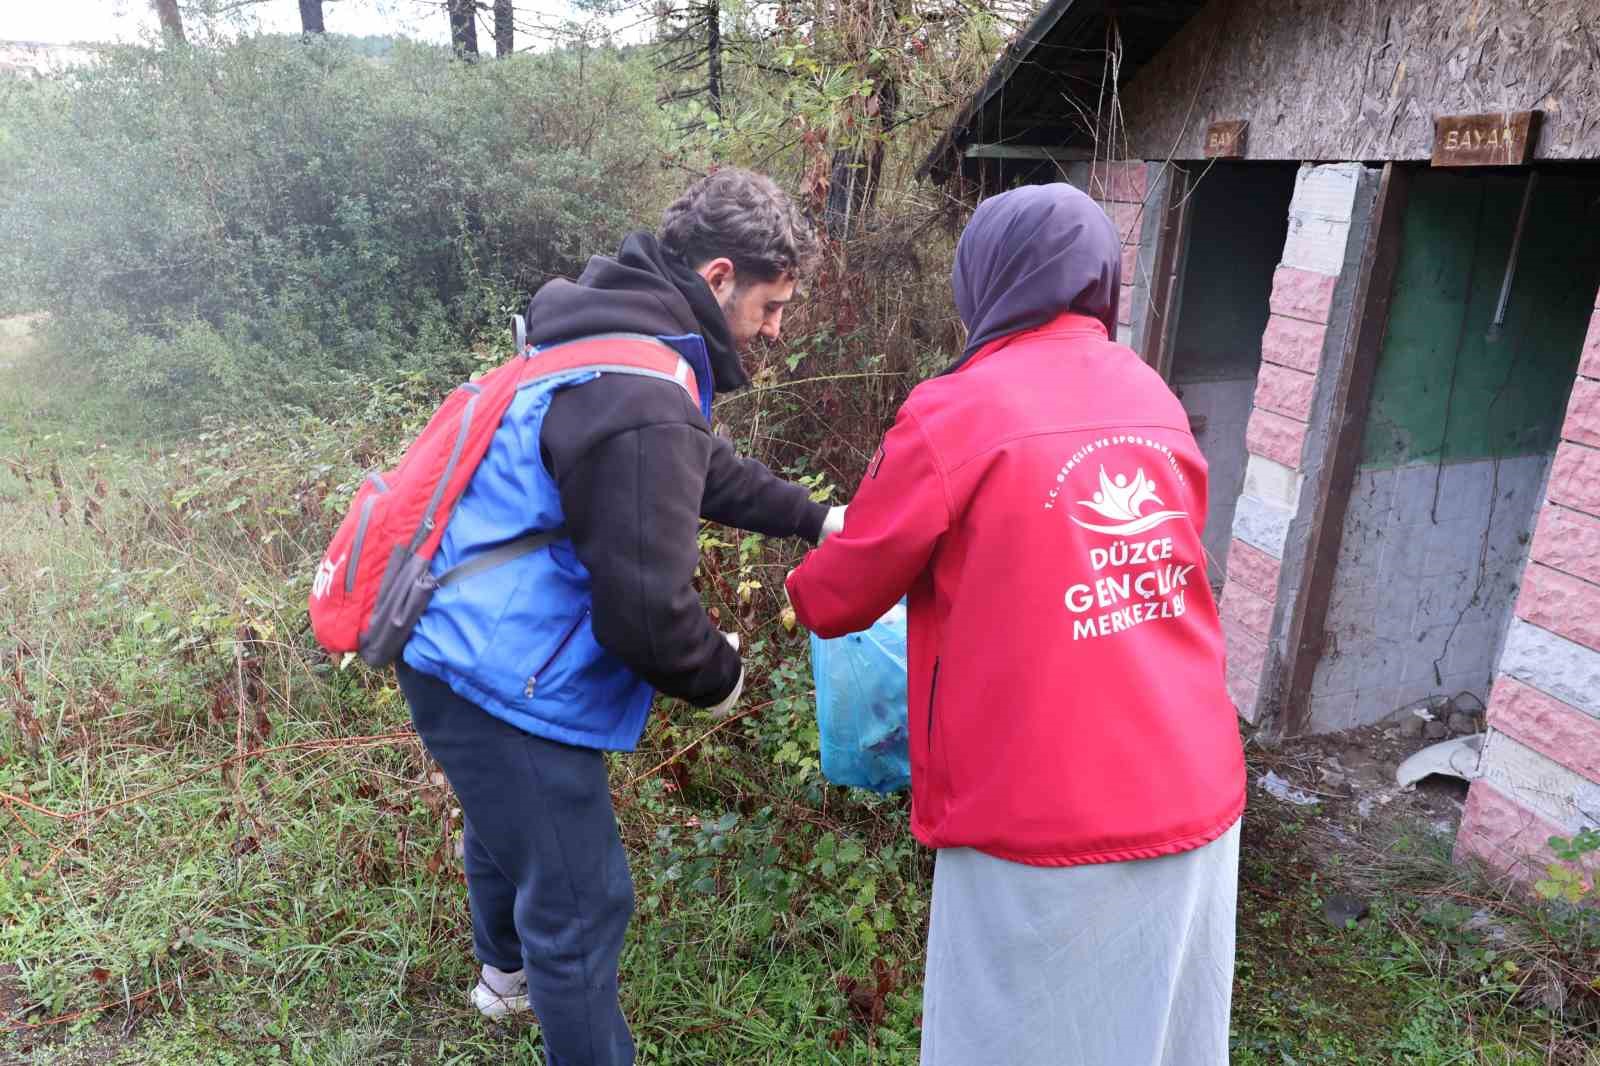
1117,964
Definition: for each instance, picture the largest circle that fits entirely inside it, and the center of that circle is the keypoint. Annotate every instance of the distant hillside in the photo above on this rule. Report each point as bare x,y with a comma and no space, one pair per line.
21,59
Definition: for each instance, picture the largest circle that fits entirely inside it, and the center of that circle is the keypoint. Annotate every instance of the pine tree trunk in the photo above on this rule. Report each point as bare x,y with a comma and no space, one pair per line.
714,55
463,27
171,18
311,17
503,32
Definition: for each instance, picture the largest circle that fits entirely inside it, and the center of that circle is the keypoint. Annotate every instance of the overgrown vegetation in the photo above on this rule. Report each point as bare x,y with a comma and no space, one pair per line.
223,848
262,265
254,836
220,228
1567,879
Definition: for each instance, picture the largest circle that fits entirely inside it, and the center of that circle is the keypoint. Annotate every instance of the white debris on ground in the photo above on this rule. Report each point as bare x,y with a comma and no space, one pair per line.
1279,789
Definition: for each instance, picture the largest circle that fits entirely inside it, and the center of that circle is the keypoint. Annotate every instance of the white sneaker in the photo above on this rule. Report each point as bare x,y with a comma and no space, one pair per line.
500,995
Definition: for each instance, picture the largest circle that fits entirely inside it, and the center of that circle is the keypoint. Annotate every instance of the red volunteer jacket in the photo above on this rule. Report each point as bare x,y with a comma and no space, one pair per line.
1043,507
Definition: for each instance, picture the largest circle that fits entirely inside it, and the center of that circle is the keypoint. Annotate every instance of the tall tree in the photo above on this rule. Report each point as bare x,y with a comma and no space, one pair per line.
714,55
868,39
463,27
311,17
503,34
857,171
171,18
693,43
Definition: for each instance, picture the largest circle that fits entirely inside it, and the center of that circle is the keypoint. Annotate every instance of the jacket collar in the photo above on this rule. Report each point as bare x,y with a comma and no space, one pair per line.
643,289
1069,324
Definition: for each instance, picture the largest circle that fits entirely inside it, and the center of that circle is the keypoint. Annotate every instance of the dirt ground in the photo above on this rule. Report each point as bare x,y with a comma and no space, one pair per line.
1352,776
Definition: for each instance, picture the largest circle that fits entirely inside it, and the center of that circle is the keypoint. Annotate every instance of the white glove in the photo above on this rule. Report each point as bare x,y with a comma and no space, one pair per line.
723,709
832,524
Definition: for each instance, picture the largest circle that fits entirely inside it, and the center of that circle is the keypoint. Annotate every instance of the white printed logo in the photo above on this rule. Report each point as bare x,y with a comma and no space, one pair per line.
324,579
1124,582
1121,501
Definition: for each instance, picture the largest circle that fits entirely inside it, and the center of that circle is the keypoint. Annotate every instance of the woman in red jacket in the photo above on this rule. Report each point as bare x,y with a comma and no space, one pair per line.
1075,757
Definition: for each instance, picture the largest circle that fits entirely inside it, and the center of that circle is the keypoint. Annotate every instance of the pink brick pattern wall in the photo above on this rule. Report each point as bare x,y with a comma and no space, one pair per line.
1504,834
1569,541
1291,352
1560,594
1251,591
1121,188
1546,725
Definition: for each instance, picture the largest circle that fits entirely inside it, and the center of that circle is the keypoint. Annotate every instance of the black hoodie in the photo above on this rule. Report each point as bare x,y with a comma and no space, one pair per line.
638,466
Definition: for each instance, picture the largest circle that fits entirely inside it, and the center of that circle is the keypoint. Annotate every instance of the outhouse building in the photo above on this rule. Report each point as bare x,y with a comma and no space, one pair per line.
1362,244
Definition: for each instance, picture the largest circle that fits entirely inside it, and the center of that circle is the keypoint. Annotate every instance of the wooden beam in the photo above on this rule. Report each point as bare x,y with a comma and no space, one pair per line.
1028,151
1043,132
1169,250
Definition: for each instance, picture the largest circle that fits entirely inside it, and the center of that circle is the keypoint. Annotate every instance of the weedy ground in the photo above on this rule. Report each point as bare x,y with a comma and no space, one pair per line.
220,847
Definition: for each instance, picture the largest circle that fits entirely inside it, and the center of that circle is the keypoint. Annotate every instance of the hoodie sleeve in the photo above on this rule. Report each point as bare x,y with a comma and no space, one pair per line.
631,467
891,530
744,494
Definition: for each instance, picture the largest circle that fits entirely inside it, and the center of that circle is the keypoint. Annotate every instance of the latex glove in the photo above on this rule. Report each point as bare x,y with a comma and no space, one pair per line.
832,524
723,709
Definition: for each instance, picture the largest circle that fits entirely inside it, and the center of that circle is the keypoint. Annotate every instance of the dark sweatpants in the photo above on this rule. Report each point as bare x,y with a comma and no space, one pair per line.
547,878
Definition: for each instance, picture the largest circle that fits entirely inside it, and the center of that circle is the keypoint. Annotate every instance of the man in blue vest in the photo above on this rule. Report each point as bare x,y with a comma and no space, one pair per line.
520,678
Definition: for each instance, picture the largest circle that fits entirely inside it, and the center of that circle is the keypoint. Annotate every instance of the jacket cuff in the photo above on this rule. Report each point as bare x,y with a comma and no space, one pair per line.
792,585
723,691
810,526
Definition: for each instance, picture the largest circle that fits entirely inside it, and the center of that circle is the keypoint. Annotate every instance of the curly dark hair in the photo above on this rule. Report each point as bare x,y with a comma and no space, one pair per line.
744,217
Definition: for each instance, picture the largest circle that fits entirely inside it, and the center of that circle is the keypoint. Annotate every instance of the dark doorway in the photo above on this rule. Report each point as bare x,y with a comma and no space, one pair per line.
1238,220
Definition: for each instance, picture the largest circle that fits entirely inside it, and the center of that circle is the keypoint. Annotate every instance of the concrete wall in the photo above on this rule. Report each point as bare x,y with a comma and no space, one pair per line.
1303,340
1541,759
1428,568
1462,420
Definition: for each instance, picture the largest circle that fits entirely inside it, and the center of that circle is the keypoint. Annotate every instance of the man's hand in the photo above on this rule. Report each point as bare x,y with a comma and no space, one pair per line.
723,709
834,523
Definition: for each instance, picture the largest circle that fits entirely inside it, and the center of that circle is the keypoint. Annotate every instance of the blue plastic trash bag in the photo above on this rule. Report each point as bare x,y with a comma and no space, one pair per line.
861,705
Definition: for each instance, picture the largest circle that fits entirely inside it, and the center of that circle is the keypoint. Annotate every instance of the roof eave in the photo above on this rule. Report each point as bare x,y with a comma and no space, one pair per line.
947,151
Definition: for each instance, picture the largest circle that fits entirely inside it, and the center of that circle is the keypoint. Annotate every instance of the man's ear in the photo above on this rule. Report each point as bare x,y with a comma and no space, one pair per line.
718,274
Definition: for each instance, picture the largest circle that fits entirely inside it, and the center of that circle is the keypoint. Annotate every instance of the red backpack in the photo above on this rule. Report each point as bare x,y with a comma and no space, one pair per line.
373,582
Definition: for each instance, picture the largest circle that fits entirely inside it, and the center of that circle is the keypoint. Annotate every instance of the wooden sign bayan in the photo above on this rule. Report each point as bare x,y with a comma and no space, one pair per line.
1498,139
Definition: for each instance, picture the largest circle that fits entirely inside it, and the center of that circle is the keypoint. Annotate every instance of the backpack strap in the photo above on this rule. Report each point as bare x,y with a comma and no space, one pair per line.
607,353
526,544
614,353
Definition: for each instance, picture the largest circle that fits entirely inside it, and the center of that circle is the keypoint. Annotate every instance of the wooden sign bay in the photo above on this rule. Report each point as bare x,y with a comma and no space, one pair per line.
1225,140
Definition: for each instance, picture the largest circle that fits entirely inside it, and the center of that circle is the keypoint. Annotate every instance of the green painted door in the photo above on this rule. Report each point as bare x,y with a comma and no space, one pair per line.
1448,387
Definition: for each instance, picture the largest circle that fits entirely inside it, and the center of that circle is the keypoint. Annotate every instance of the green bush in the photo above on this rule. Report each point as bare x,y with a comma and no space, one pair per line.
248,224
